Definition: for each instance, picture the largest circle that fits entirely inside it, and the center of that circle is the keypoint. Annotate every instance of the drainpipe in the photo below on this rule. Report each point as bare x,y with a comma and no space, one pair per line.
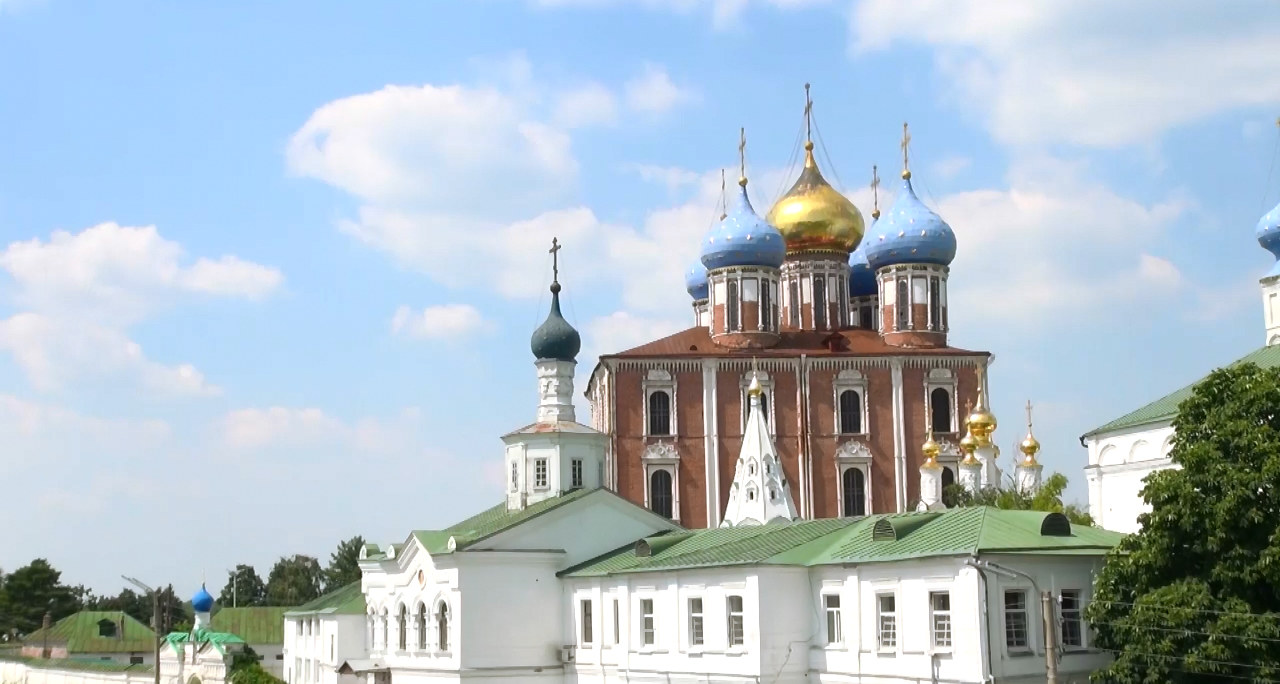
807,493
984,621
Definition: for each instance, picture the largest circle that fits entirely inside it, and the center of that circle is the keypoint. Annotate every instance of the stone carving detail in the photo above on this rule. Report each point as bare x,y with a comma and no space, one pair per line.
661,451
853,450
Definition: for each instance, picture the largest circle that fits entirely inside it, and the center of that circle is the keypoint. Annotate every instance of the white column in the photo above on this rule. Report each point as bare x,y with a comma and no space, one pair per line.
971,476
987,458
555,391
930,487
899,438
710,442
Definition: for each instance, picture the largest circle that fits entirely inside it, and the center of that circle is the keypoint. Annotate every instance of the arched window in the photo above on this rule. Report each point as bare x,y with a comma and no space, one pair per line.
402,627
386,634
422,626
850,412
766,310
855,493
902,305
948,477
793,311
764,407
940,409
731,307
660,493
864,318
935,304
820,303
442,626
659,413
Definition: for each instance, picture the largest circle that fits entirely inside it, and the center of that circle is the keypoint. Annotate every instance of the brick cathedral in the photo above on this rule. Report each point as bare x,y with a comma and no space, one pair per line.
845,328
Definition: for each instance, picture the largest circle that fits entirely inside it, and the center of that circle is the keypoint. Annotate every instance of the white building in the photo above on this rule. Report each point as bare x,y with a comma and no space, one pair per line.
202,655
1124,451
564,581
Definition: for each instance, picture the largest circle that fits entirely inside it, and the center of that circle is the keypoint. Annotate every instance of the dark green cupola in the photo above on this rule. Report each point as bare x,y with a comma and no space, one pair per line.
555,339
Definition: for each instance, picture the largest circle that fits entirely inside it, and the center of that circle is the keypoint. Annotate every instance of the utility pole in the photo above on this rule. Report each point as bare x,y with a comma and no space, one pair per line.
1050,637
155,619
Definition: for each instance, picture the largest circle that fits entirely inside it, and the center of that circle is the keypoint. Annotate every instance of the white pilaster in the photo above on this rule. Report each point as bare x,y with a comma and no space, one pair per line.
711,442
899,439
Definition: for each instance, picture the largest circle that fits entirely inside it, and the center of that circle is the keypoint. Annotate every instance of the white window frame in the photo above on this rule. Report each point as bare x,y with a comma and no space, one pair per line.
697,622
541,480
942,378
586,631
854,454
741,616
659,380
515,475
934,614
851,379
662,456
647,627
577,474
617,622
1027,613
834,618
887,645
1079,620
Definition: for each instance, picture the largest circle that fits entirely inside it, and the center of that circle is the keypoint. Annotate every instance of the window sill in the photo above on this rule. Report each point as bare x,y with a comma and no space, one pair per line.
886,652
941,651
651,651
1021,653
736,651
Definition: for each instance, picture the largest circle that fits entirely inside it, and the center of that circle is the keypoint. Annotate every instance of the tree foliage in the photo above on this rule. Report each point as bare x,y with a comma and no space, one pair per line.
344,564
32,590
1047,499
244,588
294,581
1192,597
246,669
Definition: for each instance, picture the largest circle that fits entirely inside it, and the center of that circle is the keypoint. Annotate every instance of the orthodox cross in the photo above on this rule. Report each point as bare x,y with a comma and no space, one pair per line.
555,260
808,114
906,140
724,199
742,156
1028,416
875,192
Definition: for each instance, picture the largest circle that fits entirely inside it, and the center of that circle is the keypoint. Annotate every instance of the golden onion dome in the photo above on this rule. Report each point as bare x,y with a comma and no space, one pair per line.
981,422
813,216
1030,446
930,449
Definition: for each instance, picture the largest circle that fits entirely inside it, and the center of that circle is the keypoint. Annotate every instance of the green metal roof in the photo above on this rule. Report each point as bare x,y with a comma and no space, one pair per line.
219,640
490,522
348,600
79,632
1165,408
74,664
954,532
253,624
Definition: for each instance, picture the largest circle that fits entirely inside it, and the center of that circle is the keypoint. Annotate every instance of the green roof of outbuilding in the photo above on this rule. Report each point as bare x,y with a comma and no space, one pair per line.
348,600
954,532
79,633
1165,408
490,522
253,624
220,640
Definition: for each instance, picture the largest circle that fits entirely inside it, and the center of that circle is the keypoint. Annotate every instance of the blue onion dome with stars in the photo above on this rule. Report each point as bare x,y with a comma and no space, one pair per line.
862,278
695,281
202,601
910,233
1268,233
742,238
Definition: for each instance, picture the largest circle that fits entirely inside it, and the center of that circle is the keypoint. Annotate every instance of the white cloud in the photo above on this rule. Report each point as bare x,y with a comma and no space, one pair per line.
654,92
446,321
452,148
1089,72
724,13
950,167
588,105
286,427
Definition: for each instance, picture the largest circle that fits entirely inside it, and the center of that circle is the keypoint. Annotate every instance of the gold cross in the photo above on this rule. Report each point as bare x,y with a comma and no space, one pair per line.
742,156
555,260
906,140
875,189
724,199
808,115
1028,415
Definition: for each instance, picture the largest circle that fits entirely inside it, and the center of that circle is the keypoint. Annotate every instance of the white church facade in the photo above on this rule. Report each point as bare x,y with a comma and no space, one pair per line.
565,581
1124,451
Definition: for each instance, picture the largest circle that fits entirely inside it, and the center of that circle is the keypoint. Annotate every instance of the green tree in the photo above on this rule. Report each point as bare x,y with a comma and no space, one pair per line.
1192,597
127,601
244,588
33,590
344,564
1048,499
294,581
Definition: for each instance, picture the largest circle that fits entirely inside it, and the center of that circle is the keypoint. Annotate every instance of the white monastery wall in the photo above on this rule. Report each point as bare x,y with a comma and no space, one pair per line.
14,672
609,523
510,610
1119,463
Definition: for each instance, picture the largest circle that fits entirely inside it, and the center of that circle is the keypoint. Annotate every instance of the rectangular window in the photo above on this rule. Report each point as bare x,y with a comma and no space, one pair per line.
902,306
766,308
585,612
731,307
831,603
1015,619
935,305
617,633
793,306
515,476
1072,625
135,660
575,467
648,629
886,606
940,607
540,473
331,648
819,303
737,631
695,622
864,318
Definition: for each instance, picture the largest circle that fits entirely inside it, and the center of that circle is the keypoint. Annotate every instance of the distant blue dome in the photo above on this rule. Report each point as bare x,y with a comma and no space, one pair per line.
909,233
1268,233
202,602
862,279
695,281
743,239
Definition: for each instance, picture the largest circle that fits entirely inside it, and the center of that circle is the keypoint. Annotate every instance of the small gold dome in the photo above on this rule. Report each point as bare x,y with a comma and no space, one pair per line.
754,389
967,446
981,422
930,449
813,216
1030,446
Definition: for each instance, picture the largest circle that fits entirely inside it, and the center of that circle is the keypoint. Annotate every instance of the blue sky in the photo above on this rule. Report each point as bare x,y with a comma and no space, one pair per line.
270,269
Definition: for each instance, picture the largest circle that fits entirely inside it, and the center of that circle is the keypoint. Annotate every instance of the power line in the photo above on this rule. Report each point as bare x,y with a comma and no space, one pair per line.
1162,606
1121,625
1207,662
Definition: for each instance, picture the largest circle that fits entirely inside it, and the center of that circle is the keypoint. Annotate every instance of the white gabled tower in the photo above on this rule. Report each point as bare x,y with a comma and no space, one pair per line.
759,493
